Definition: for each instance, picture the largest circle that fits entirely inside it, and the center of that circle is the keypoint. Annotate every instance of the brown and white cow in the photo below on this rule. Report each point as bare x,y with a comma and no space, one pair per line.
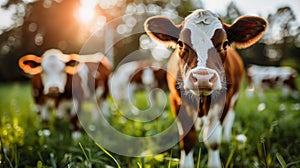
204,74
61,82
260,78
137,75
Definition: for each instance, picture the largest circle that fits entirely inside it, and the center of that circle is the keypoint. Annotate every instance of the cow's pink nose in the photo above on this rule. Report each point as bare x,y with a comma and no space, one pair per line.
203,79
53,91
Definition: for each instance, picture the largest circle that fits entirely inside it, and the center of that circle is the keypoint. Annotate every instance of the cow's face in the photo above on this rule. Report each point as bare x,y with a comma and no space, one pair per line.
54,76
53,68
201,42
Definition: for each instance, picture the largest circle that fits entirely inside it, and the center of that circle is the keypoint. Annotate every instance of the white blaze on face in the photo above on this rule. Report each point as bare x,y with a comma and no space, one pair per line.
202,25
53,74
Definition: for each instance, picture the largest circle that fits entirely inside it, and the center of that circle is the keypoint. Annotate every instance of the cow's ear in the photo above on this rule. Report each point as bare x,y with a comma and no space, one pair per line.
30,64
162,29
246,30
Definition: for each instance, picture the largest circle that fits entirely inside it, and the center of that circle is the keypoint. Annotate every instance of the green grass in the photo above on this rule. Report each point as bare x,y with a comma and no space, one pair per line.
273,136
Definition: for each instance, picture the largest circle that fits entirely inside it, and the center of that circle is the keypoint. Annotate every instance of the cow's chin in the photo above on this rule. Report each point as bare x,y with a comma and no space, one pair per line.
201,91
53,95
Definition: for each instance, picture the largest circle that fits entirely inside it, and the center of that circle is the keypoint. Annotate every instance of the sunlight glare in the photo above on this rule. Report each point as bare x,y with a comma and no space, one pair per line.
86,11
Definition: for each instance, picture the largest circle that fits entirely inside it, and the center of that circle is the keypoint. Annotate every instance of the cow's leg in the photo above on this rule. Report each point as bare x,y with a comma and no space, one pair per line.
229,119
260,92
186,160
104,107
212,139
227,124
63,108
212,136
44,114
45,111
187,143
187,131
188,136
102,103
73,118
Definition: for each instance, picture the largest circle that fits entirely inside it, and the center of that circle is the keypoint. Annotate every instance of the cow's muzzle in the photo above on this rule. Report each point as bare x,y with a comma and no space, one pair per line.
53,91
202,81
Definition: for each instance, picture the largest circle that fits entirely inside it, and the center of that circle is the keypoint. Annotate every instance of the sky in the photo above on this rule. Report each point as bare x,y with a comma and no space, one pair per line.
254,7
249,7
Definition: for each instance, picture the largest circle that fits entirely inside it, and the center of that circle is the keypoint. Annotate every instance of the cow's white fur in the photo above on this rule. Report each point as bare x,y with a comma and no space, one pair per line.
202,25
212,135
229,119
53,74
188,161
206,20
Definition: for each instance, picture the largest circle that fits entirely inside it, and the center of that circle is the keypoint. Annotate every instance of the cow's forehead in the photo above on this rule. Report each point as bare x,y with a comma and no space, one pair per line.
198,31
51,62
51,52
204,20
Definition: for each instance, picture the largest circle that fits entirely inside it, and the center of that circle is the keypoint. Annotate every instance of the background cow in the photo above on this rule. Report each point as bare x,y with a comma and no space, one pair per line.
61,82
260,78
204,74
135,76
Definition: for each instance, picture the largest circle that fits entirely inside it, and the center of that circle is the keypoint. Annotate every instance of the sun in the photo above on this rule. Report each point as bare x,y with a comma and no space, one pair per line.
86,11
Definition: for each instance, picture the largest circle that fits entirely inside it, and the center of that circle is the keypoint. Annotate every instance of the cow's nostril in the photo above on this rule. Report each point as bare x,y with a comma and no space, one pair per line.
193,78
53,90
213,79
203,79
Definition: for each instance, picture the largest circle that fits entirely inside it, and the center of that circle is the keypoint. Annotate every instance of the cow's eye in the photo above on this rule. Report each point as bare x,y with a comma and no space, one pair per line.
180,44
225,44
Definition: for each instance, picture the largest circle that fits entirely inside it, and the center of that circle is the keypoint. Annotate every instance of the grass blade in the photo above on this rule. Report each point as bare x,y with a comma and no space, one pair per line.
106,152
199,157
281,160
264,152
293,163
85,155
169,164
230,158
139,164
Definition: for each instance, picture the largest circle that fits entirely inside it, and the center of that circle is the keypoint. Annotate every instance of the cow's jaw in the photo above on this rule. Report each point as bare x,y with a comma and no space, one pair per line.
201,26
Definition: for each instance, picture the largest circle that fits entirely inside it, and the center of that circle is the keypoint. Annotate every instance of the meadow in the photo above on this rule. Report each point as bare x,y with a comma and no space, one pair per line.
266,133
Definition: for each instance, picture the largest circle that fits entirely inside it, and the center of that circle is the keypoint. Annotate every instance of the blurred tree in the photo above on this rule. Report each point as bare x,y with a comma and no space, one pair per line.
45,24
278,45
232,13
187,6
281,37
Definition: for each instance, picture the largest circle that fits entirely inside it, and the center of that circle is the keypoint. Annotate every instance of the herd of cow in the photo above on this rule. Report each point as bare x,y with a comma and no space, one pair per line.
203,75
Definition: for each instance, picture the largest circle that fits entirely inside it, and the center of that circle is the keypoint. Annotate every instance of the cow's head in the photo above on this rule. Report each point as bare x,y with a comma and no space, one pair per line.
201,42
53,67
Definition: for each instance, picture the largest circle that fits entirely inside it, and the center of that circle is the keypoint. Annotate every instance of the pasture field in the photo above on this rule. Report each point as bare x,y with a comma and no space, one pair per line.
265,134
